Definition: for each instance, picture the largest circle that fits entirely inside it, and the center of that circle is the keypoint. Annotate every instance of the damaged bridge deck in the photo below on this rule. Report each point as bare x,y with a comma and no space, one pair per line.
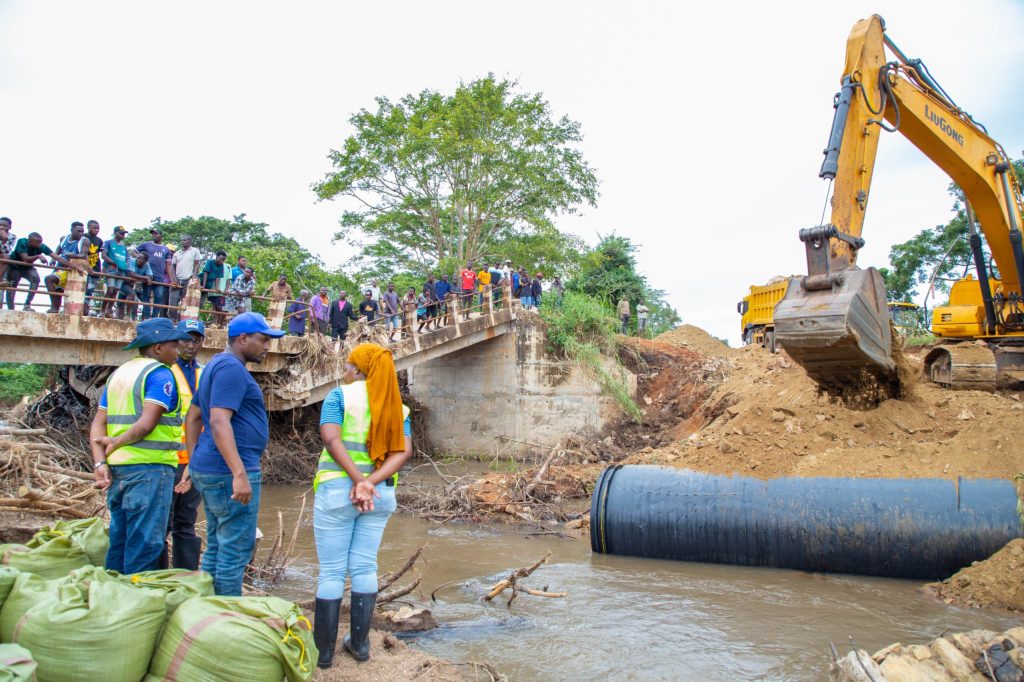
298,371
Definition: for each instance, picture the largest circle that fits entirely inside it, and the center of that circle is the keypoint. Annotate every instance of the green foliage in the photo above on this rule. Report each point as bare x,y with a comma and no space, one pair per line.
18,380
269,253
942,252
444,179
919,339
609,273
583,327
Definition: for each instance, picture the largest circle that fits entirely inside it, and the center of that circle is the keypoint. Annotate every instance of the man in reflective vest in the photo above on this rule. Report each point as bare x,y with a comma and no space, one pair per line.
181,525
135,438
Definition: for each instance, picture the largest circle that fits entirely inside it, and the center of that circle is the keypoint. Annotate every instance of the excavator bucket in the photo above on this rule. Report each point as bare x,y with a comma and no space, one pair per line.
839,334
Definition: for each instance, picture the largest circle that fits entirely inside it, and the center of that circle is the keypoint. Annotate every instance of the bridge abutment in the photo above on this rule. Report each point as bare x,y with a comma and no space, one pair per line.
508,395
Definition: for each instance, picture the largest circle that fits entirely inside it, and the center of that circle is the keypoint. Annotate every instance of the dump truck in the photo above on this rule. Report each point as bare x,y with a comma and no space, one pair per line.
757,322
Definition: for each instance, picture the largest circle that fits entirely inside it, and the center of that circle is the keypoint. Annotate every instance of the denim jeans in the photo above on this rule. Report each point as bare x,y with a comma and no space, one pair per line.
14,277
139,499
230,530
158,295
346,539
526,301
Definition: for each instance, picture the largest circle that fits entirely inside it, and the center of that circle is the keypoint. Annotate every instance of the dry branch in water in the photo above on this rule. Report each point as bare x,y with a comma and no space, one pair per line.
512,582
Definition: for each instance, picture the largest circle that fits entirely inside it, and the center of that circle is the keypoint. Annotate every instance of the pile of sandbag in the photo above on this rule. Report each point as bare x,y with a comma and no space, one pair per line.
55,551
63,617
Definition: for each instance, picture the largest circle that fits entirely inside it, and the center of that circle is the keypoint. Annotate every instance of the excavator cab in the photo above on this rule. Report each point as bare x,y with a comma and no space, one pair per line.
835,321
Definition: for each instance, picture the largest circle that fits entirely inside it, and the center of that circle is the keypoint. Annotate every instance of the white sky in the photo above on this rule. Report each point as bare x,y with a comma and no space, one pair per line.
705,125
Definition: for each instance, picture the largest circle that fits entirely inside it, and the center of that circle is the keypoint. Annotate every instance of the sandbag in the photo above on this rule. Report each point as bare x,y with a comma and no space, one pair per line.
86,626
16,664
235,638
52,559
176,584
7,577
88,534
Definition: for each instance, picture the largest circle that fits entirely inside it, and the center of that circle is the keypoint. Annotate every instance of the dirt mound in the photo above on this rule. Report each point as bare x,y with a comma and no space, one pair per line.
696,339
769,419
997,582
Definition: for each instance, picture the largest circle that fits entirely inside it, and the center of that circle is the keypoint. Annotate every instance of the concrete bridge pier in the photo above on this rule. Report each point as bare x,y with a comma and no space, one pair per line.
508,396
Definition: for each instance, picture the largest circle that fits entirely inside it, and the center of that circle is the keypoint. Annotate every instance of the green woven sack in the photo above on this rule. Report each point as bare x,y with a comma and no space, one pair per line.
177,584
7,577
235,638
16,664
54,558
86,626
88,534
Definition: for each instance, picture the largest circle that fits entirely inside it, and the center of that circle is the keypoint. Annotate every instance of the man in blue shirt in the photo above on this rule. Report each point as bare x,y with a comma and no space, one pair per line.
160,261
226,432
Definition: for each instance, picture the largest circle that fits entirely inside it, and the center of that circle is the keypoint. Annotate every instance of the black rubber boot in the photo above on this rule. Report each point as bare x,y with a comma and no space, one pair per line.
357,641
325,630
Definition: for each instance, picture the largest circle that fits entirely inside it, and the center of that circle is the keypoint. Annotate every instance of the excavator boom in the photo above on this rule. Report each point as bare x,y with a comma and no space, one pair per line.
835,321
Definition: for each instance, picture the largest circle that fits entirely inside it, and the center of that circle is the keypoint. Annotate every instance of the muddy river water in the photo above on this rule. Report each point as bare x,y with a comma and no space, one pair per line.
627,618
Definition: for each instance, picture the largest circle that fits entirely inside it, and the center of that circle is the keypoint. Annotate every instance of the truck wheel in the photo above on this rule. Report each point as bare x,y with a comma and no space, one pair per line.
769,341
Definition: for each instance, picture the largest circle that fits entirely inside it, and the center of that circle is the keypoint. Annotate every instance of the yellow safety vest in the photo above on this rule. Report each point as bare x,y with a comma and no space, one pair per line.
185,398
126,390
355,430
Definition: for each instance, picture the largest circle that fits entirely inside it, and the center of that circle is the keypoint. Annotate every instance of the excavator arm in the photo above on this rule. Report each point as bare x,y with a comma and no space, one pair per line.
834,321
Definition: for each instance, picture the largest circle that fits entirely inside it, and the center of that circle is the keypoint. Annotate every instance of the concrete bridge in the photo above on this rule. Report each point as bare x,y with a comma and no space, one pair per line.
298,370
486,381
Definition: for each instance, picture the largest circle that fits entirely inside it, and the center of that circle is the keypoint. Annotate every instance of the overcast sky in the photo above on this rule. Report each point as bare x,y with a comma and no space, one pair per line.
705,126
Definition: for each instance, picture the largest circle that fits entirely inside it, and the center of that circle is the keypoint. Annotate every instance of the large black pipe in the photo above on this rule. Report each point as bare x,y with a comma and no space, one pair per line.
901,528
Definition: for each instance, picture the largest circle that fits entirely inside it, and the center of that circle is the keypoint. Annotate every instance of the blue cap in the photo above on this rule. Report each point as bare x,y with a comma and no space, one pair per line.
196,326
156,330
252,323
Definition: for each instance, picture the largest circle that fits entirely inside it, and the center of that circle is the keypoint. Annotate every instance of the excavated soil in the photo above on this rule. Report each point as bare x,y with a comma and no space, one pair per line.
392,660
695,339
997,582
768,419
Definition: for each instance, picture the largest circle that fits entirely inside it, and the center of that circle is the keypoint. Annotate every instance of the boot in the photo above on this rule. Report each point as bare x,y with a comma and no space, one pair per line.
325,630
357,641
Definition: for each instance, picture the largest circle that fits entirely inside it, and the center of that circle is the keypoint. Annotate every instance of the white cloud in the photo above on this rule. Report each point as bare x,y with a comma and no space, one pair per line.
706,125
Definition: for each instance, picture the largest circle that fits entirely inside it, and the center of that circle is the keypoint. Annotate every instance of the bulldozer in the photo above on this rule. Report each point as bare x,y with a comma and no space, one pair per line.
835,320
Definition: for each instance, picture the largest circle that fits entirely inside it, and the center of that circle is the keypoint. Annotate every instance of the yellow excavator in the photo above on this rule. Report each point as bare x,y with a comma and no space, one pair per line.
834,321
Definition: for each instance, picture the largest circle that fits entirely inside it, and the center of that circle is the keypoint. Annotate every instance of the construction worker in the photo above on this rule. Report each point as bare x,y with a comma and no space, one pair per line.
367,438
181,525
135,438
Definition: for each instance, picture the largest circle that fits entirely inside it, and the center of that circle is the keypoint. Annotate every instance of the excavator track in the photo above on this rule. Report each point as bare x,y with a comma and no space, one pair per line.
963,366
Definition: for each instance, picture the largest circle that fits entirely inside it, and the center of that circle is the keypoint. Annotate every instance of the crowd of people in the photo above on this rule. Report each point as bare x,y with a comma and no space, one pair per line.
164,441
148,280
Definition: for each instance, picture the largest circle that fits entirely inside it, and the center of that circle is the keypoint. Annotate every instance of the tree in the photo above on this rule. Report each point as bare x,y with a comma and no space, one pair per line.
609,273
941,252
269,253
440,180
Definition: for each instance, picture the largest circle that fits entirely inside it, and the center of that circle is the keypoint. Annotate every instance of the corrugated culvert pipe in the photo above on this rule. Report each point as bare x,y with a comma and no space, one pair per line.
921,528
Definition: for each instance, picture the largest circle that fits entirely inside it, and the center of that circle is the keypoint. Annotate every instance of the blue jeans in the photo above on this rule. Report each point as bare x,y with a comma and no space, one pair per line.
347,540
527,301
230,530
139,499
158,295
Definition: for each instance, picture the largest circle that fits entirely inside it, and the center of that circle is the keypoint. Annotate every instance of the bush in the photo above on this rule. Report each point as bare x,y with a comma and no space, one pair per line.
18,380
583,328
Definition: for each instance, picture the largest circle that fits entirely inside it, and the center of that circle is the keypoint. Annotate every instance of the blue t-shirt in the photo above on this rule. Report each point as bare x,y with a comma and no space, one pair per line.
158,257
333,411
160,388
226,383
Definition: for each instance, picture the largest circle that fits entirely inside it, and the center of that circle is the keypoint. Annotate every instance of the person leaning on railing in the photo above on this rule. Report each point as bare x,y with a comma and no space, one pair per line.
367,438
26,252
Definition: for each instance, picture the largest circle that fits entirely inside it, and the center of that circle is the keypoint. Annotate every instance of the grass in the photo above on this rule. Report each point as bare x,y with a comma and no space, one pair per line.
583,328
18,380
919,339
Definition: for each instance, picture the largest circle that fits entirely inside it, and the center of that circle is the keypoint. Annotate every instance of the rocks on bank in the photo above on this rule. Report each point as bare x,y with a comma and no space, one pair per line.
973,656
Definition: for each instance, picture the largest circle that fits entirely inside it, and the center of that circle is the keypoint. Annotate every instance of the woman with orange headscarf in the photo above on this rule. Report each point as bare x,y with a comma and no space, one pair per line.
367,438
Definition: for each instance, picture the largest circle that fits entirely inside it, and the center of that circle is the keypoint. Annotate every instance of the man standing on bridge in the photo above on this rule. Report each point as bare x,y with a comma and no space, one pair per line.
227,431
134,438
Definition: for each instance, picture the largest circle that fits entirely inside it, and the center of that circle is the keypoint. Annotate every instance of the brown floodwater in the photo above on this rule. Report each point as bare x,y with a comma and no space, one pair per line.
627,618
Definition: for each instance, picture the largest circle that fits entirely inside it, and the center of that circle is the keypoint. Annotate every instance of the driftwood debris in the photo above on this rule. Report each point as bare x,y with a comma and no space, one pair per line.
33,480
512,583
